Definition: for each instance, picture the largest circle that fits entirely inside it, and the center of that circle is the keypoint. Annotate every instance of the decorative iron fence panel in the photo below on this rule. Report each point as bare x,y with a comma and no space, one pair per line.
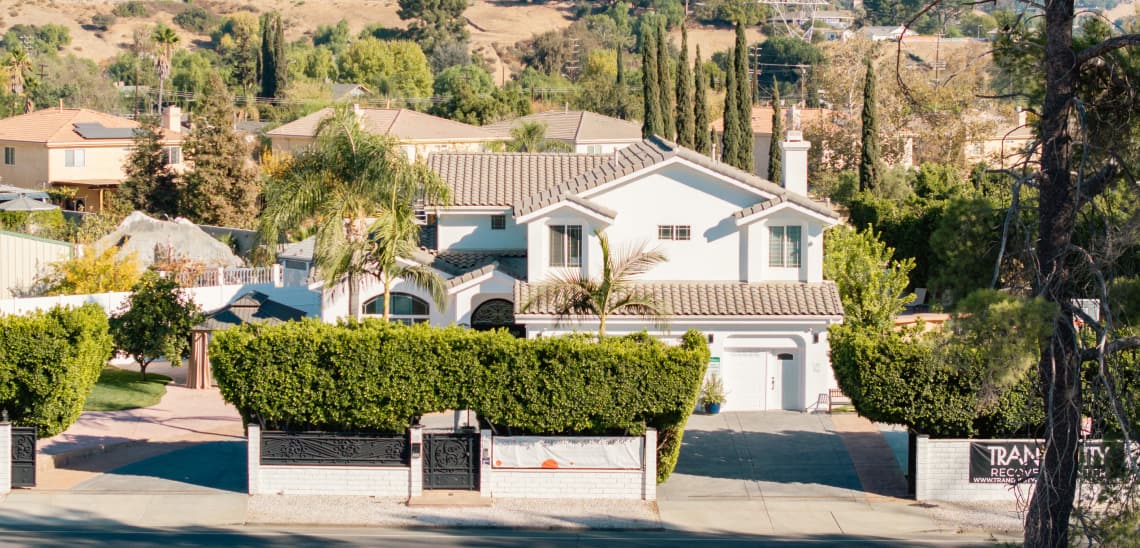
451,461
24,457
333,449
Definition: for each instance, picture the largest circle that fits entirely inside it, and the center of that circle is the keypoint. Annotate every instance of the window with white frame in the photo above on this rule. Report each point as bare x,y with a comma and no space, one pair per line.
594,149
173,155
498,222
406,309
784,246
565,245
75,157
674,232
9,156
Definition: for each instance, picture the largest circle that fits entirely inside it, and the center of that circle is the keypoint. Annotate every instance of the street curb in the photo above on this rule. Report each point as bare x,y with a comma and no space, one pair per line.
46,462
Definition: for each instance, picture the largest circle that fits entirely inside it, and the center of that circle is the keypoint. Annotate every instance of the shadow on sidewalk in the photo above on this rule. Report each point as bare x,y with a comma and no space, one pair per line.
176,466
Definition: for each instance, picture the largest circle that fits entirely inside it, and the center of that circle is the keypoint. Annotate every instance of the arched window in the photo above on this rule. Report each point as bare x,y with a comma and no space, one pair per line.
493,313
407,309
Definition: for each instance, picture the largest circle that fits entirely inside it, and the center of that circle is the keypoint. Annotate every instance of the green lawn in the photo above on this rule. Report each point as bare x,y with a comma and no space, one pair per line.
119,389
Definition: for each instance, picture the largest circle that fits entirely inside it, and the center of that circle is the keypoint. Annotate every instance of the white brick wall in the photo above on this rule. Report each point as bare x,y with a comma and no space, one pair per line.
943,473
5,458
322,480
576,484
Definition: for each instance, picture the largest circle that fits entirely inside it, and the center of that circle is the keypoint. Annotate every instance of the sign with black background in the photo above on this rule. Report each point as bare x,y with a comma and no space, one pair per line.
1019,461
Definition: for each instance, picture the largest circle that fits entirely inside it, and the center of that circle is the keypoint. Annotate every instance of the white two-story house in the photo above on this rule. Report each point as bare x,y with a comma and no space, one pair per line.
745,256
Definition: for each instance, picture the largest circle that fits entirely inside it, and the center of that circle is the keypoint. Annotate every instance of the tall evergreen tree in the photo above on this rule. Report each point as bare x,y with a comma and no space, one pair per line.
869,168
222,188
150,185
775,154
730,134
743,100
652,123
273,63
665,81
702,139
620,69
686,123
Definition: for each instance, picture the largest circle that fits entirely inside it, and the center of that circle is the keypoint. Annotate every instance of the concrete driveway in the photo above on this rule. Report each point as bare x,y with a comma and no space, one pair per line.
211,467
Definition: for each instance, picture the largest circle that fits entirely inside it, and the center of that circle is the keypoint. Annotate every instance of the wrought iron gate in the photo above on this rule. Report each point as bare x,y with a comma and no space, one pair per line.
451,461
24,457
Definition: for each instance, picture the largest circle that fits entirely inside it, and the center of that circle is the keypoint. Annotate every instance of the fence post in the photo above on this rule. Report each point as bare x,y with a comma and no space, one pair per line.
649,460
5,457
278,277
221,276
416,461
485,470
253,454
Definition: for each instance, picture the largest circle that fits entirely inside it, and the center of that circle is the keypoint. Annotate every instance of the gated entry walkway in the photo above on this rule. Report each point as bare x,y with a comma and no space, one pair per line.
451,461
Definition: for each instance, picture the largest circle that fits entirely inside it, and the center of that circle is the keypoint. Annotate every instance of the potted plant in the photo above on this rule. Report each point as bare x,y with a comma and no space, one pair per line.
712,394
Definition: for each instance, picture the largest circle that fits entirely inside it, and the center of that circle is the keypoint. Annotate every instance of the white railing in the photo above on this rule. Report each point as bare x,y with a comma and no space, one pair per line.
235,276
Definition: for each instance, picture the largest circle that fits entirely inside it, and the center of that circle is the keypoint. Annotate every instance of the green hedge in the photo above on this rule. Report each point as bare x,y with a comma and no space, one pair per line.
49,362
377,376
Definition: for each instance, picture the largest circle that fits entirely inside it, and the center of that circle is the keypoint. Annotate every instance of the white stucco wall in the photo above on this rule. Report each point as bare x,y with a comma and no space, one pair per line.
322,480
599,147
622,484
473,231
943,473
5,458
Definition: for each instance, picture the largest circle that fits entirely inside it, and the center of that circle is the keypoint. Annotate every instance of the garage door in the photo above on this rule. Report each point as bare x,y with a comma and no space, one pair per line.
761,380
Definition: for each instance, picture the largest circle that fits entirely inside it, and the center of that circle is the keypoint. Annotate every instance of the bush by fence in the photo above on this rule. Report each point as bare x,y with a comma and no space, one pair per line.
376,376
49,362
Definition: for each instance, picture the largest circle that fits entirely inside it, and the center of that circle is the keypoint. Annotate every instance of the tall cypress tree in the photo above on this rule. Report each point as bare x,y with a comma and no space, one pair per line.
775,154
651,122
730,135
869,157
266,62
665,79
685,116
281,61
743,100
702,139
620,70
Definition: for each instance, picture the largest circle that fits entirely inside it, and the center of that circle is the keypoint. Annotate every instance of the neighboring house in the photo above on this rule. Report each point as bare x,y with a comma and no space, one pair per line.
24,259
9,192
886,34
76,148
419,134
762,130
1004,147
839,19
348,92
585,132
745,256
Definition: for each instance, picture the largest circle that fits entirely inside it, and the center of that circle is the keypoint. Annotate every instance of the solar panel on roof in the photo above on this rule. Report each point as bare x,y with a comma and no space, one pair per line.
95,130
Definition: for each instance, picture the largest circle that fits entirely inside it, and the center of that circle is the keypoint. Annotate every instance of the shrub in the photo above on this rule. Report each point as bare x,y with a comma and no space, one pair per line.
377,376
196,19
133,8
49,362
103,20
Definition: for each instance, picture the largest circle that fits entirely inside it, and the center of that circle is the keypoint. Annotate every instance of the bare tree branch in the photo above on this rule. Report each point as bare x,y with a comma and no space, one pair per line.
1108,46
1111,347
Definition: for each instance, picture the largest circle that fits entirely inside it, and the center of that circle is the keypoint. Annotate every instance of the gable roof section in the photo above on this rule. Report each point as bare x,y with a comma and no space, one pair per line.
253,307
576,126
70,125
503,179
400,123
716,298
650,152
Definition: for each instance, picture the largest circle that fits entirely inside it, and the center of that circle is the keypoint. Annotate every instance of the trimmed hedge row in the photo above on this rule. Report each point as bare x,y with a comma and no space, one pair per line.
49,362
377,376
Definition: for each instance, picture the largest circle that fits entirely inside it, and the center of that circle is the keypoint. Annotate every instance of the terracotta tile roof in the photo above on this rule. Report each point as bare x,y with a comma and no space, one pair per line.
502,179
645,154
766,204
400,123
717,298
55,125
577,126
762,118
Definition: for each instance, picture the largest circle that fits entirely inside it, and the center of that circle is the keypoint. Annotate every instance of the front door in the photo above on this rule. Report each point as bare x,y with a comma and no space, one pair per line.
773,383
451,461
790,372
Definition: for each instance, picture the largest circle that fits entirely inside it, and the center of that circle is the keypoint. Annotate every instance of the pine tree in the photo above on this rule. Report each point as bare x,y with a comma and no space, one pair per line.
685,114
702,139
665,83
743,100
150,185
775,154
869,169
652,123
730,135
222,188
272,62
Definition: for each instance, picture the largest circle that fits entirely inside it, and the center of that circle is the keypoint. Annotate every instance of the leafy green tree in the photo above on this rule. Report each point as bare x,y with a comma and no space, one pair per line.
872,286
221,188
320,64
343,185
191,72
155,321
334,38
652,121
869,164
91,272
775,153
150,185
964,246
398,68
603,87
434,21
274,64
702,138
196,19
686,122
237,41
165,40
574,294
665,83
744,157
473,98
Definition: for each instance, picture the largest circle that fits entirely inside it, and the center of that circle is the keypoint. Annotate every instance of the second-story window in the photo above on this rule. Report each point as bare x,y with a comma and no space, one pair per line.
9,156
674,232
173,155
498,222
784,246
565,245
75,157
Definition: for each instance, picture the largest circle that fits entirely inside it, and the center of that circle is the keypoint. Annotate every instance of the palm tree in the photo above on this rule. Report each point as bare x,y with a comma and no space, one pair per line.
531,137
18,64
165,39
354,186
573,294
396,236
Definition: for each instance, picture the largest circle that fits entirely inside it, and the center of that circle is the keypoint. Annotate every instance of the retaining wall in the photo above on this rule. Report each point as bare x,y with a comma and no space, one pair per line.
5,458
942,472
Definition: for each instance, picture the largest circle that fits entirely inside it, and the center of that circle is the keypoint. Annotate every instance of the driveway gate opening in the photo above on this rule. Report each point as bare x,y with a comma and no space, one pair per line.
24,457
451,461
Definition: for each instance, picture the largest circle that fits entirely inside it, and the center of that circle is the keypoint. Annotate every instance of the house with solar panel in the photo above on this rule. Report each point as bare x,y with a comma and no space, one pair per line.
745,256
77,148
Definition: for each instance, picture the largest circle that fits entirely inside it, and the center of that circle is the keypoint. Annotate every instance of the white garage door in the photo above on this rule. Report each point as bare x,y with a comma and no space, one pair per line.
760,380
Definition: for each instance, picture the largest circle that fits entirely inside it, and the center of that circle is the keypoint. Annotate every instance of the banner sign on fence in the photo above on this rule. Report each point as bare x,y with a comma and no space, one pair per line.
1020,461
568,452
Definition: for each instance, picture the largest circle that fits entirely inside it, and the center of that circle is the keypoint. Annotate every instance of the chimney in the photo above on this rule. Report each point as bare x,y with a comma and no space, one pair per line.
172,119
794,167
1020,117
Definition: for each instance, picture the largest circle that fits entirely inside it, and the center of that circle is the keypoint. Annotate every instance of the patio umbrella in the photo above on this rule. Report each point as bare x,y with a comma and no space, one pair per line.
24,203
